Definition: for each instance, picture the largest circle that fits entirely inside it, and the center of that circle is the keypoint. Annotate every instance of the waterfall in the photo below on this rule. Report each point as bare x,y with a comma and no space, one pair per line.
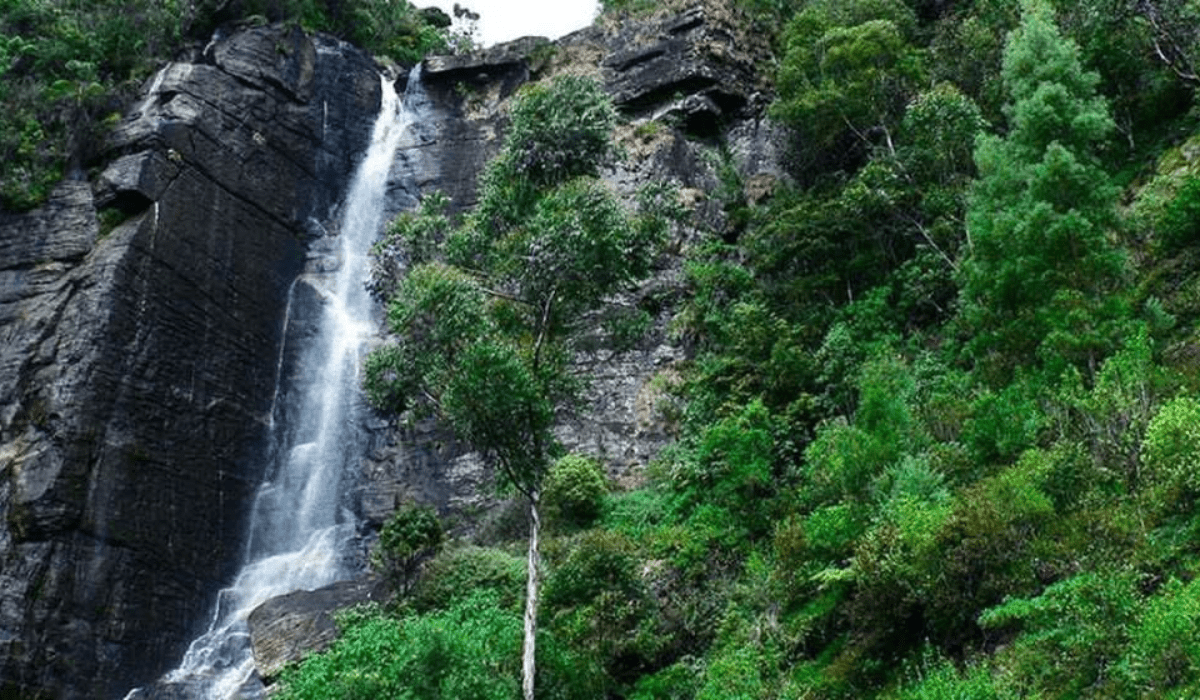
298,531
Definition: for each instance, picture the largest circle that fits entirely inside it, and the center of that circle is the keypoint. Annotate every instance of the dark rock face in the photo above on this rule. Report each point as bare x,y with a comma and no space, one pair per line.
689,83
137,365
138,361
701,64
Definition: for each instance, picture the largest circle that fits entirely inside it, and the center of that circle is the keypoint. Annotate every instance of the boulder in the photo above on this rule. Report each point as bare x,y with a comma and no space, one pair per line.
289,627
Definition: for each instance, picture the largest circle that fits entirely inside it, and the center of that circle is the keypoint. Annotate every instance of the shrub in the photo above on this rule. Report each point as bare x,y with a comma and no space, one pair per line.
596,562
406,539
1171,449
637,514
830,532
574,490
738,672
940,680
455,573
1003,423
1179,223
1071,635
469,651
598,602
560,130
678,681
985,548
1164,654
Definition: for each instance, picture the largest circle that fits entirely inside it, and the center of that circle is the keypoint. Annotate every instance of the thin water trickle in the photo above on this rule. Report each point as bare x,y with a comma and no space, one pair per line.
152,93
297,532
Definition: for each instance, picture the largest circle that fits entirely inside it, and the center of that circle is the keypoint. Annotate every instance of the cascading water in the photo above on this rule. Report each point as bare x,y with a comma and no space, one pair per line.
297,532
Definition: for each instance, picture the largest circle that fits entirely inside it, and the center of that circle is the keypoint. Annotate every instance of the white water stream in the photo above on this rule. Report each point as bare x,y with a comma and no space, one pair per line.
297,534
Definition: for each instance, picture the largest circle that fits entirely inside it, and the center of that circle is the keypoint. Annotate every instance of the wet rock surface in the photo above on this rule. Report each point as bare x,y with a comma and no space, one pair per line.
662,71
138,359
694,95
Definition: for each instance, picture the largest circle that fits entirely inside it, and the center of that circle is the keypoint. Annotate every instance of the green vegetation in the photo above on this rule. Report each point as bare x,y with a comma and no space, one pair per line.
468,651
938,435
412,534
1041,268
574,491
490,315
69,68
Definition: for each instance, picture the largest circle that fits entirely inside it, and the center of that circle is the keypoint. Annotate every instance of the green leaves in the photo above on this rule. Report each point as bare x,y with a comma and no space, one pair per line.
560,130
64,64
575,489
494,400
1171,449
1039,216
410,534
468,651
848,68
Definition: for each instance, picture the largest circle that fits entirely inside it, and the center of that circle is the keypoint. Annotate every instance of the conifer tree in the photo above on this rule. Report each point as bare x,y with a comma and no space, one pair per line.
1041,268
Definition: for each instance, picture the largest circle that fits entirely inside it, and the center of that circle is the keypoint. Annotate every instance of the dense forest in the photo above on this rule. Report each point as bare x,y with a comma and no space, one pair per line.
939,436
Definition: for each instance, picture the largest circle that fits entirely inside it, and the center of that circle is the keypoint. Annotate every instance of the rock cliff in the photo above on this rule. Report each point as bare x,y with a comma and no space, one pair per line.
690,86
139,354
142,317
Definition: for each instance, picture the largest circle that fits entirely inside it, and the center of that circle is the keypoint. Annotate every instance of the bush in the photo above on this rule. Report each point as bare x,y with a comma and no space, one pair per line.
940,680
455,573
740,672
830,532
732,466
1164,654
1179,224
574,490
1071,635
406,539
1171,449
986,548
1003,424
470,651
597,601
560,130
637,514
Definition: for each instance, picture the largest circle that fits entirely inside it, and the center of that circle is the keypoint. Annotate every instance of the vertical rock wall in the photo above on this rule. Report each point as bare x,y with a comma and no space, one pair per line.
138,357
138,360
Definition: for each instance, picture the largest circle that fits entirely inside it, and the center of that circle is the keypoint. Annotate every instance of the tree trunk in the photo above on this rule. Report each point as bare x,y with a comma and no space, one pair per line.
531,601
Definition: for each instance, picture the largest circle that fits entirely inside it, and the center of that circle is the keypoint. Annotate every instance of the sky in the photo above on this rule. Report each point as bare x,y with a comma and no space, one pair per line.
502,20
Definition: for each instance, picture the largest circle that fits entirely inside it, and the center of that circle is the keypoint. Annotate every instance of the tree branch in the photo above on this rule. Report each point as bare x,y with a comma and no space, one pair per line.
1177,54
537,347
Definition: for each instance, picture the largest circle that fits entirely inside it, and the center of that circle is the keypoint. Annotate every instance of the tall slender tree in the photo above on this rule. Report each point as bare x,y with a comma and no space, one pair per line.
488,319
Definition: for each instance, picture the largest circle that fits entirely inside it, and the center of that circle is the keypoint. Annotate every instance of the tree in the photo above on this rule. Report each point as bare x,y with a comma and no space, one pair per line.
847,71
1175,35
1041,267
489,318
